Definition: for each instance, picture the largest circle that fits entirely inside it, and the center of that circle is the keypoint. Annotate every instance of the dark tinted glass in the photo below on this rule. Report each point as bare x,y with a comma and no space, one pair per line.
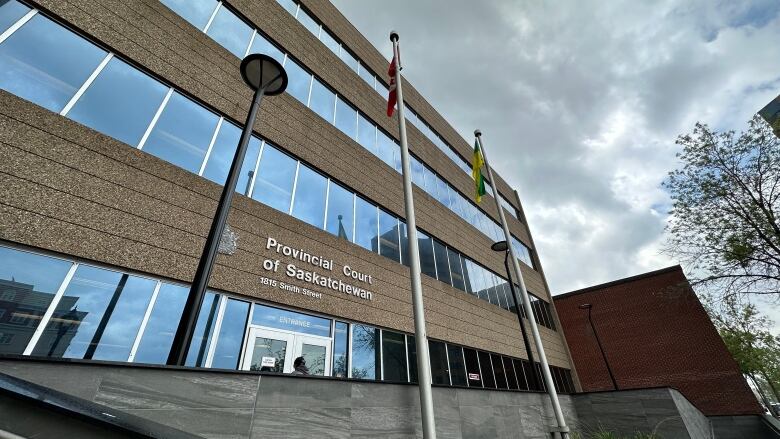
498,371
221,156
201,339
341,204
157,339
365,352
230,32
298,81
309,204
487,370
120,102
472,368
366,225
322,100
274,179
197,12
442,266
455,269
388,236
394,356
98,316
427,263
412,350
511,378
440,373
182,134
457,365
10,12
522,379
45,63
28,283
231,335
340,341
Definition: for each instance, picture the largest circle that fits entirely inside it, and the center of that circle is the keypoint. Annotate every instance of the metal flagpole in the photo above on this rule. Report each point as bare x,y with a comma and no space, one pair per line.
562,428
421,336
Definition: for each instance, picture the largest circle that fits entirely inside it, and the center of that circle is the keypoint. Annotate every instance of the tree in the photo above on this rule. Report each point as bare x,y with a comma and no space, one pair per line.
746,335
726,204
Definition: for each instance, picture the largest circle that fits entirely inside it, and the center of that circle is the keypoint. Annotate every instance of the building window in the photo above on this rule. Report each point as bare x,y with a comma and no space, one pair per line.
230,338
309,200
511,377
425,246
487,370
346,119
394,357
366,226
322,101
473,371
196,12
365,352
340,217
230,32
275,178
442,264
411,349
10,12
457,365
498,371
157,339
298,81
389,236
340,350
456,270
261,45
204,328
440,373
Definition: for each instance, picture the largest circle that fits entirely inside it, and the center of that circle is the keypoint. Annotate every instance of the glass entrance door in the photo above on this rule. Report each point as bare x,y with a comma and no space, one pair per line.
275,351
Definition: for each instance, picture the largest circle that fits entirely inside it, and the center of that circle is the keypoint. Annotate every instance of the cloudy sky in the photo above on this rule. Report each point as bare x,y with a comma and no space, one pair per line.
580,102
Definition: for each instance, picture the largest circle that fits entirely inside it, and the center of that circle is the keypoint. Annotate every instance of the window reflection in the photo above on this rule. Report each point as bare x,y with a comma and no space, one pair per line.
340,211
385,148
455,269
487,370
196,12
28,283
97,317
404,243
411,348
261,45
330,41
10,12
230,32
222,152
366,134
157,339
394,356
274,179
322,100
182,134
474,374
298,81
140,97
457,365
439,370
366,225
340,342
309,204
365,352
201,339
389,246
498,370
427,263
442,266
45,63
346,118
247,175
308,22
227,352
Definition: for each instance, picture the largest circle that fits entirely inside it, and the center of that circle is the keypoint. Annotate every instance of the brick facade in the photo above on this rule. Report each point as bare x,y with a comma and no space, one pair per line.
655,333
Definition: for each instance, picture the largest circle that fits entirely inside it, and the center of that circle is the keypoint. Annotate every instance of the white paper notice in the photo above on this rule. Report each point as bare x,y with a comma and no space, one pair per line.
268,361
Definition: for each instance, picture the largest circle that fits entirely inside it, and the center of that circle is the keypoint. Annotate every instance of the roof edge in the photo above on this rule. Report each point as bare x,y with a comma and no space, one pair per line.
620,281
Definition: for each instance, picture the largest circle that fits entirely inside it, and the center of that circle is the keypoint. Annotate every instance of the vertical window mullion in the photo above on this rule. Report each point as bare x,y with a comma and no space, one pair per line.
86,84
211,145
155,118
465,368
479,365
398,232
251,40
295,187
247,328
327,196
349,350
311,85
354,218
217,327
406,353
254,173
381,356
211,19
447,356
144,322
19,23
50,310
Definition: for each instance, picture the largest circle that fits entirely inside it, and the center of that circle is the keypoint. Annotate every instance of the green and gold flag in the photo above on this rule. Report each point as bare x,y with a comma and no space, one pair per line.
476,173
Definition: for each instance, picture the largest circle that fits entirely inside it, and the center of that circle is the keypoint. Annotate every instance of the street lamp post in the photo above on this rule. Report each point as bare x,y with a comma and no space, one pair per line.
501,246
589,307
265,76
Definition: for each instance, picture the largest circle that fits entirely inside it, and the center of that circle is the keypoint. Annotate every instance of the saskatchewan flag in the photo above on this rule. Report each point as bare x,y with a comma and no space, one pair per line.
476,173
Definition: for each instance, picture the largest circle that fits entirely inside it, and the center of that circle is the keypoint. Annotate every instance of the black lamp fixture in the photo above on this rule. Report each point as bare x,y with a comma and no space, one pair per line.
589,307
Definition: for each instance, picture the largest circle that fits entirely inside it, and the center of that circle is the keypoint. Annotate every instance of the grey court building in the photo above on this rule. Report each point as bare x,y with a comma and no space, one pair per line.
118,123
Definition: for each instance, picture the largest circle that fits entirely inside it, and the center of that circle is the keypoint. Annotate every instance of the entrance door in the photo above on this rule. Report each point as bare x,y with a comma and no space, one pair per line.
275,351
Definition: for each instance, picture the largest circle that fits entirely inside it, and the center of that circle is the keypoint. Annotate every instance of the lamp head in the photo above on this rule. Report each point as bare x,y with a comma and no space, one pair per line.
499,246
585,306
393,35
477,133
262,71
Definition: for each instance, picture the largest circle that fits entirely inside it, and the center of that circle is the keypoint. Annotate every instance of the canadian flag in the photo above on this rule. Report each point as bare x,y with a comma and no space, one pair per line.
393,97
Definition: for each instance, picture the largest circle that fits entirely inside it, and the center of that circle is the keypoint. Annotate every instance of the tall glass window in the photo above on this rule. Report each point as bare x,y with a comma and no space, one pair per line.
385,148
404,242
394,356
487,370
388,236
230,32
367,76
120,102
182,134
457,365
97,317
366,134
430,181
274,179
411,347
366,225
346,118
227,352
28,283
340,347
341,204
201,339
197,12
222,153
456,269
157,339
309,204
472,368
247,174
45,63
498,370
322,100
441,191
298,81
365,352
442,266
522,379
468,268
418,175
427,263
10,12
349,60
261,45
440,373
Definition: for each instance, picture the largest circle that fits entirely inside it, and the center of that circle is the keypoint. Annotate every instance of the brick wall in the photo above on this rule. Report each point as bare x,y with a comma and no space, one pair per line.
655,332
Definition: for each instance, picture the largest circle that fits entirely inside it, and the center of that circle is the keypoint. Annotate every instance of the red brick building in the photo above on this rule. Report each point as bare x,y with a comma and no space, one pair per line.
654,332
